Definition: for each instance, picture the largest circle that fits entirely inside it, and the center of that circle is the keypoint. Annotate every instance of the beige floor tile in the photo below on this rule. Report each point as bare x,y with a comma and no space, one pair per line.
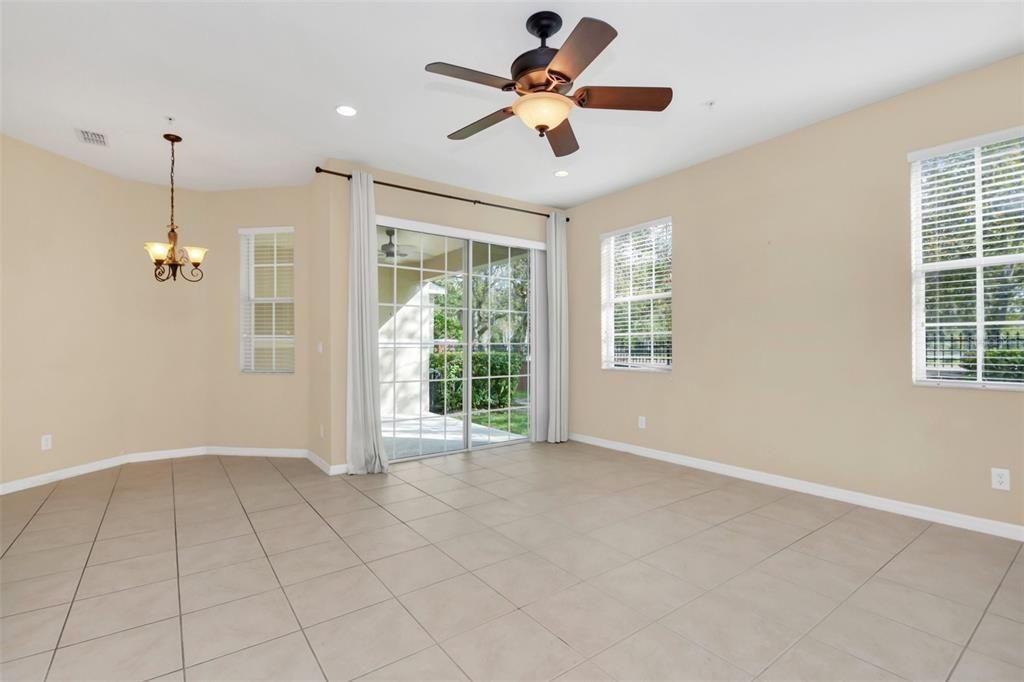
417,508
499,512
219,553
940,617
779,533
221,585
716,506
201,533
710,557
383,542
285,658
658,654
777,599
333,506
584,672
131,523
818,575
36,541
131,546
976,667
444,526
277,540
37,593
597,513
525,578
646,589
335,594
365,649
373,481
29,669
480,549
513,647
283,516
30,633
1009,599
882,531
586,619
138,654
110,613
45,562
535,531
806,511
648,532
414,569
812,661
226,628
301,564
455,605
665,492
508,487
1000,638
394,493
429,665
465,497
439,483
726,626
831,546
938,573
361,520
583,556
887,644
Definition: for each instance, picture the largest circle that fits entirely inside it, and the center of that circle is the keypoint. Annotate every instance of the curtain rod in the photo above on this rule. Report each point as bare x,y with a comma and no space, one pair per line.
348,176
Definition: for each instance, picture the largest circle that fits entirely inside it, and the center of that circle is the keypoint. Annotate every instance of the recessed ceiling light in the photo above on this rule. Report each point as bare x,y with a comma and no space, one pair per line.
561,173
346,110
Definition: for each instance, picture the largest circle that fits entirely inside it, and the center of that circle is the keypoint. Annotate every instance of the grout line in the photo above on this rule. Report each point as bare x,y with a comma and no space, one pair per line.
177,572
984,613
266,557
32,516
78,585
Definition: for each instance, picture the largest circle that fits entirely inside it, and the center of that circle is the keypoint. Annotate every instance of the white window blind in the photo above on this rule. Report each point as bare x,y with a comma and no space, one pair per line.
268,300
968,264
636,297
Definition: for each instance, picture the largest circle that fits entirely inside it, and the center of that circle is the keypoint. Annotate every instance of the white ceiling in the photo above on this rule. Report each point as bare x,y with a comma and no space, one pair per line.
254,86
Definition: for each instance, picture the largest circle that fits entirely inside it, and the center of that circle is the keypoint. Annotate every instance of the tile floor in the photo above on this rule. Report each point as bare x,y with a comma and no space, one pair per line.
530,562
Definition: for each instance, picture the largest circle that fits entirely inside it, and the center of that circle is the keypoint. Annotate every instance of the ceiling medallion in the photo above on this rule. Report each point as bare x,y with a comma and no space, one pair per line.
167,258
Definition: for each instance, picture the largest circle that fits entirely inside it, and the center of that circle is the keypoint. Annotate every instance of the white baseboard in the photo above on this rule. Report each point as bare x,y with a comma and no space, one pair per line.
99,465
976,523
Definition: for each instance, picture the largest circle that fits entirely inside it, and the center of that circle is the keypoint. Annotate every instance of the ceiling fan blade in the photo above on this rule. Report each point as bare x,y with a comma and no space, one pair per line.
482,124
614,97
586,41
562,139
470,75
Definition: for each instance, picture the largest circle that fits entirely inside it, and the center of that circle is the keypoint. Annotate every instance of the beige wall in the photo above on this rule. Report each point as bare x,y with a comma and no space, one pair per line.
109,361
792,312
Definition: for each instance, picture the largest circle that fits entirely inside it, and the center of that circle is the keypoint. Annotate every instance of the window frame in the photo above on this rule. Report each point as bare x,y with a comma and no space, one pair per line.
608,299
247,287
920,269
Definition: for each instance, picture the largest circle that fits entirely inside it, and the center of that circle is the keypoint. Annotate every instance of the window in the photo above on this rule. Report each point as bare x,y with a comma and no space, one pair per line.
636,297
268,299
968,262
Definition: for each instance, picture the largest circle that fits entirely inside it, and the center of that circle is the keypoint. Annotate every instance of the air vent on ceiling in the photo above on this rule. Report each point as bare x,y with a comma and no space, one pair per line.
90,137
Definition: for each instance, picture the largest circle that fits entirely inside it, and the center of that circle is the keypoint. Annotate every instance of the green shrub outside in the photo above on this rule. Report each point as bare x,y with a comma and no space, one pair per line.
486,395
1001,364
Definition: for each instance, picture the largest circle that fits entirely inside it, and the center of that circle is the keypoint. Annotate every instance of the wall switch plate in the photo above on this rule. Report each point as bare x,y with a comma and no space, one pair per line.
319,346
46,442
1001,479
641,422
321,430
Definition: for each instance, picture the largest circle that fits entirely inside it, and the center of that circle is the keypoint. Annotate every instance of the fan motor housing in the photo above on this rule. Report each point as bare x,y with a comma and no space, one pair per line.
529,70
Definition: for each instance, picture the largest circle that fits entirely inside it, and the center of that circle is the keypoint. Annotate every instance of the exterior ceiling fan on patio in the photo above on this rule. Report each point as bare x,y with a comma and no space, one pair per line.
541,77
390,249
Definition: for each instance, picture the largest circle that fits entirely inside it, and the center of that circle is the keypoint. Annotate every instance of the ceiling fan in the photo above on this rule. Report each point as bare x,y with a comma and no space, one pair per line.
390,249
541,77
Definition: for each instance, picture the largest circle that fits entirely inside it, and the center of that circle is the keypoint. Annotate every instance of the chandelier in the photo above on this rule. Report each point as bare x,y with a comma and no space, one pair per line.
167,258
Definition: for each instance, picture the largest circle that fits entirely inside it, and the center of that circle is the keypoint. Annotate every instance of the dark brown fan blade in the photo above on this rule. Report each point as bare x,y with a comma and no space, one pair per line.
562,139
470,75
586,41
633,99
483,124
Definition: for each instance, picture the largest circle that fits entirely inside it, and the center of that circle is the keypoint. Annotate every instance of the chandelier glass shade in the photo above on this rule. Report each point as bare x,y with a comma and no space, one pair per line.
542,111
168,259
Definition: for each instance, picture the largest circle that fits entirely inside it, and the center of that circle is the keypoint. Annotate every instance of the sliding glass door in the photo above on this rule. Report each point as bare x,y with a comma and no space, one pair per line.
454,342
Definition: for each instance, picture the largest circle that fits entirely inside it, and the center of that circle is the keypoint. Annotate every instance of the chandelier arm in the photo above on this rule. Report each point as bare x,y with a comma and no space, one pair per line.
160,273
196,274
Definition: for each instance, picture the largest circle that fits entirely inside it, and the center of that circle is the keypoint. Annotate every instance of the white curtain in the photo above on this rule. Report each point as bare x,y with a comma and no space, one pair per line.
558,330
365,448
538,346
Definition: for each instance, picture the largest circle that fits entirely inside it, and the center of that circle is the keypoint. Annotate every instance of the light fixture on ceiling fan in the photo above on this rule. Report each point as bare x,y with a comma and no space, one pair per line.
167,258
390,249
543,76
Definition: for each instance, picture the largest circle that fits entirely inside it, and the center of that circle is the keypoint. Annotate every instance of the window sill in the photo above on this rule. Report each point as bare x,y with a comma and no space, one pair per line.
975,385
640,370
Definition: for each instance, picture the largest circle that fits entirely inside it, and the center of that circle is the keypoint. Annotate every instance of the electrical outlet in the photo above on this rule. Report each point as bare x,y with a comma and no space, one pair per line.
641,422
46,442
1001,479
319,346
